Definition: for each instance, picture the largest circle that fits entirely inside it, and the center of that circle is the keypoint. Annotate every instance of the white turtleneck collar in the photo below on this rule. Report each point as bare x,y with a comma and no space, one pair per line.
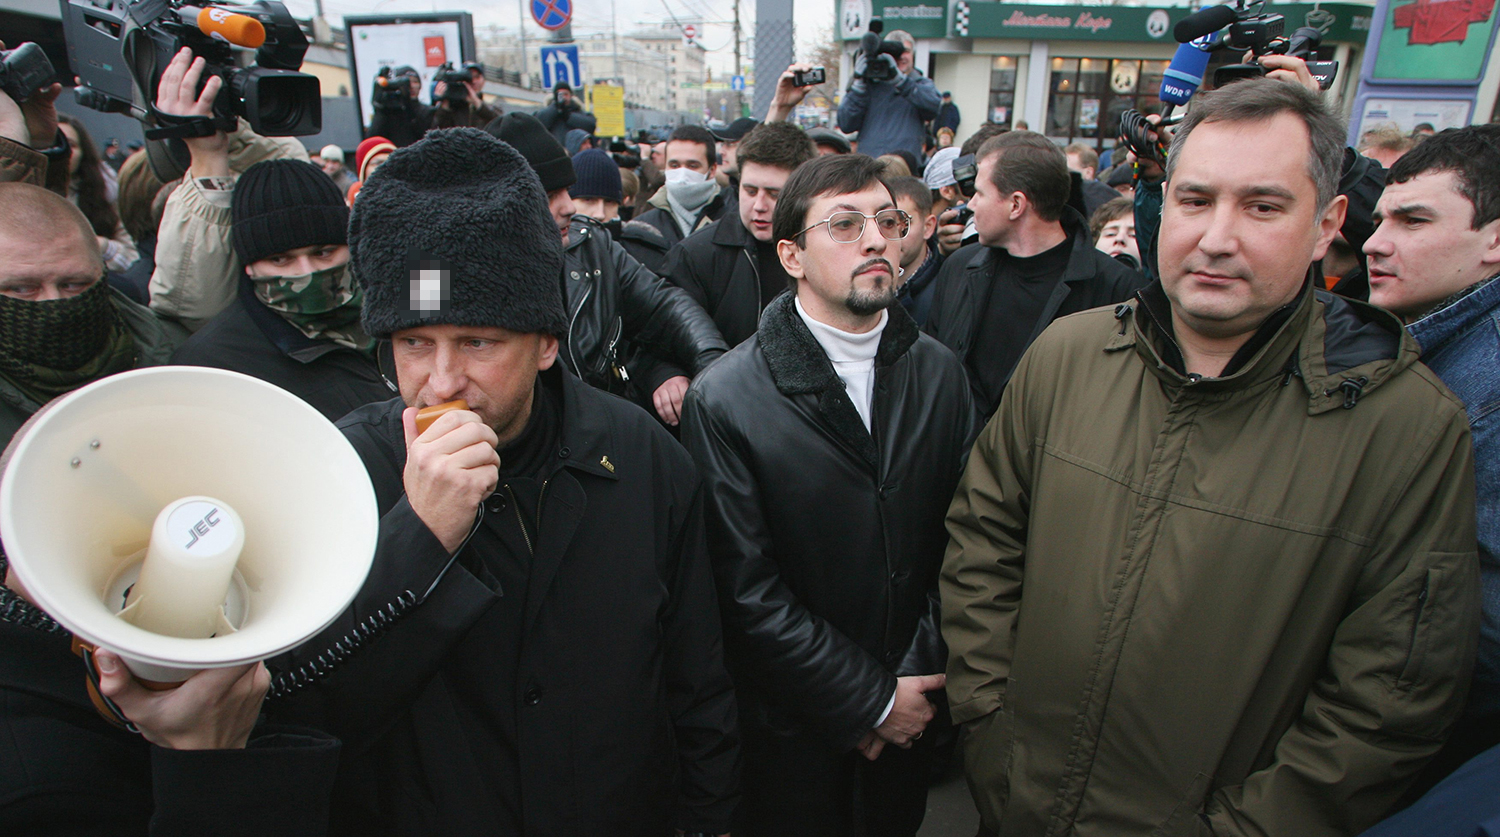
852,355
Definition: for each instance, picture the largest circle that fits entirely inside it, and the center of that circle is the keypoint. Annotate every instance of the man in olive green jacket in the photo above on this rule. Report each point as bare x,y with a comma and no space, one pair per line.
1213,563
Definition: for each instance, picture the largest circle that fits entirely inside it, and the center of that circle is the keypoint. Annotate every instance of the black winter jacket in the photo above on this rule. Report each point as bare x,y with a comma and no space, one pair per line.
716,266
559,121
64,771
613,300
826,539
626,717
1090,280
666,223
402,126
249,338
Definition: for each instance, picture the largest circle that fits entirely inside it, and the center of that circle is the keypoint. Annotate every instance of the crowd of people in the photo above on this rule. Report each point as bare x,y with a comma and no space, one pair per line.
793,466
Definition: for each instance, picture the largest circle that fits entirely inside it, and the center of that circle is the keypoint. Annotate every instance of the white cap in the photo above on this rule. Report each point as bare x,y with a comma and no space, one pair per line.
939,171
332,152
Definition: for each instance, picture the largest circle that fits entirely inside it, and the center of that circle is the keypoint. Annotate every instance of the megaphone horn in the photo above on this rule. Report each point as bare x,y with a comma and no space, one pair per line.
186,518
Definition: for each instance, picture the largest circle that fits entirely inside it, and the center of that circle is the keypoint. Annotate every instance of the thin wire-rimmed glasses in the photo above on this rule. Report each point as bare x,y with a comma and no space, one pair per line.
847,226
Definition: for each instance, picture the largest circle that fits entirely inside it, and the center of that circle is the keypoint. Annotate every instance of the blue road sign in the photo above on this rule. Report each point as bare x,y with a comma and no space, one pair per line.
737,83
552,14
560,63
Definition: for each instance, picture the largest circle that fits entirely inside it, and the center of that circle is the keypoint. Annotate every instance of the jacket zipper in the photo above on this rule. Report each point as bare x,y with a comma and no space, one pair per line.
573,349
755,271
1416,622
530,548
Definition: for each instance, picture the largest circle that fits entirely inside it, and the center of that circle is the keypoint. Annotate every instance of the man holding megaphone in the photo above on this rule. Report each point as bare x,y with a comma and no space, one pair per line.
194,768
537,649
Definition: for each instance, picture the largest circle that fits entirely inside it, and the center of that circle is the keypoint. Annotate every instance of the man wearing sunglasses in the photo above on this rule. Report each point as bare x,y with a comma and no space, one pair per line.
830,442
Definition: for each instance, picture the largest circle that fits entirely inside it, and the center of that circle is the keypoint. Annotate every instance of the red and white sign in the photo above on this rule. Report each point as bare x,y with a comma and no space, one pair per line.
690,31
435,50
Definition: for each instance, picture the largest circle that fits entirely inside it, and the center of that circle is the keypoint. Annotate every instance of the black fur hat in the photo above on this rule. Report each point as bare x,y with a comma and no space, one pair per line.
455,229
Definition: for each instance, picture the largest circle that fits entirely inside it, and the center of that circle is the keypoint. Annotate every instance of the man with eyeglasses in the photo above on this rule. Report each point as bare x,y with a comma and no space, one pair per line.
830,443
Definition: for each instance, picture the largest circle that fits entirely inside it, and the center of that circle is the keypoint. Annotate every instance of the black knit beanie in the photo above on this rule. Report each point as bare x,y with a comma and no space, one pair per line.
542,150
455,230
598,176
280,205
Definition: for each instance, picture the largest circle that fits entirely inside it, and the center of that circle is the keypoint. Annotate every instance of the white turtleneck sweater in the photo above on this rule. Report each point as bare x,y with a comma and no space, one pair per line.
852,355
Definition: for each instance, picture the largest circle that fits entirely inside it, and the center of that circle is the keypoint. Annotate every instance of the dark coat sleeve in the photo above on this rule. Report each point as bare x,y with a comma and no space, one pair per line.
279,784
665,315
700,695
792,652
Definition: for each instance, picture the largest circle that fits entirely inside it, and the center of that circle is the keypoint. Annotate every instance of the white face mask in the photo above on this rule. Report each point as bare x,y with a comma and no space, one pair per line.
685,175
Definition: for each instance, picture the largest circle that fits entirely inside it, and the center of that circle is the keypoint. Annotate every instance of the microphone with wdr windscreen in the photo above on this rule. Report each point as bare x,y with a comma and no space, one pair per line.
1184,75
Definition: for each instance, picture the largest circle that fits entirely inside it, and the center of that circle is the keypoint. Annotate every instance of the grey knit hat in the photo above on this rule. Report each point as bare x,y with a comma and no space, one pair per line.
455,229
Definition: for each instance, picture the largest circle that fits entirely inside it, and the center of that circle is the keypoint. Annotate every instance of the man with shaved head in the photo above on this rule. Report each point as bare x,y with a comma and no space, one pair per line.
60,326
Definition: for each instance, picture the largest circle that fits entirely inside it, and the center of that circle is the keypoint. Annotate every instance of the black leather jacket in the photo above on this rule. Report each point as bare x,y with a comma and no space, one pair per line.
826,539
613,300
717,266
1090,280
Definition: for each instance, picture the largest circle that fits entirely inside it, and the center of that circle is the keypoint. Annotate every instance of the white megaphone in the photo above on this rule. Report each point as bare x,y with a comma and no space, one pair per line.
187,518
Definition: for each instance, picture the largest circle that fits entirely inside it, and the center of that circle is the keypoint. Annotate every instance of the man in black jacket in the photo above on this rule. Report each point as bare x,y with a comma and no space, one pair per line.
548,651
1034,262
692,198
920,259
401,119
564,115
295,320
731,267
829,444
612,300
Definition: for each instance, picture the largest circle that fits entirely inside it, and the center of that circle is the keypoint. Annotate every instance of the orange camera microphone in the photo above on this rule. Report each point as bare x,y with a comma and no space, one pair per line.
224,25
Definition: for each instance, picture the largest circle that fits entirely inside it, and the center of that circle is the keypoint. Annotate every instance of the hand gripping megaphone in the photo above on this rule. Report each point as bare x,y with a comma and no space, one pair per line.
186,518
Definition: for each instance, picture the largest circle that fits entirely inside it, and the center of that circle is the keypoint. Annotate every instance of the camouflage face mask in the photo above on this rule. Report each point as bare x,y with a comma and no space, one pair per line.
323,305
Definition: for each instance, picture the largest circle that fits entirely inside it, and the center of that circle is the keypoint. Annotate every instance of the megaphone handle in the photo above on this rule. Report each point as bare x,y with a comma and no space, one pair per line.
107,709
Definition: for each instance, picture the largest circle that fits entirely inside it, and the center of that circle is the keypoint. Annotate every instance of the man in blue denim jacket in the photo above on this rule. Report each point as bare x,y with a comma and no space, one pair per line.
1434,259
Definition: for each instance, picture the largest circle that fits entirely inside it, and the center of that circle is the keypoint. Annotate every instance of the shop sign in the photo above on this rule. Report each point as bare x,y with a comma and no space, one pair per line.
920,18
1340,22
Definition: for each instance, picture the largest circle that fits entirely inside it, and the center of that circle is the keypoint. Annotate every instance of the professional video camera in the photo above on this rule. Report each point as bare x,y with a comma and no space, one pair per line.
1246,27
873,47
391,92
457,80
1238,27
23,71
120,50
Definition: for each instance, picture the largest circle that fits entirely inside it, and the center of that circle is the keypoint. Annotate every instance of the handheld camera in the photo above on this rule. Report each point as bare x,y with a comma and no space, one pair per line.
808,78
872,46
23,71
120,49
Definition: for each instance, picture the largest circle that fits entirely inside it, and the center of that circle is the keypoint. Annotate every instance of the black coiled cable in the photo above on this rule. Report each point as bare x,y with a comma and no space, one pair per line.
1142,138
288,683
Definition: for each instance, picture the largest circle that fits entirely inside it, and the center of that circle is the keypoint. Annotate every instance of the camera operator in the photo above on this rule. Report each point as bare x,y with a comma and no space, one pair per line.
293,316
400,116
468,111
198,766
1361,180
197,271
565,114
890,114
1035,262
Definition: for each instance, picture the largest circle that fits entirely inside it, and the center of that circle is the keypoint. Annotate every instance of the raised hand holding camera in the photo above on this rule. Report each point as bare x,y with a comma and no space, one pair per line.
28,114
178,95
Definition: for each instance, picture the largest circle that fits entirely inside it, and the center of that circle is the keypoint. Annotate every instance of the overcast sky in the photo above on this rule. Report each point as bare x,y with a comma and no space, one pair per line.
812,16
